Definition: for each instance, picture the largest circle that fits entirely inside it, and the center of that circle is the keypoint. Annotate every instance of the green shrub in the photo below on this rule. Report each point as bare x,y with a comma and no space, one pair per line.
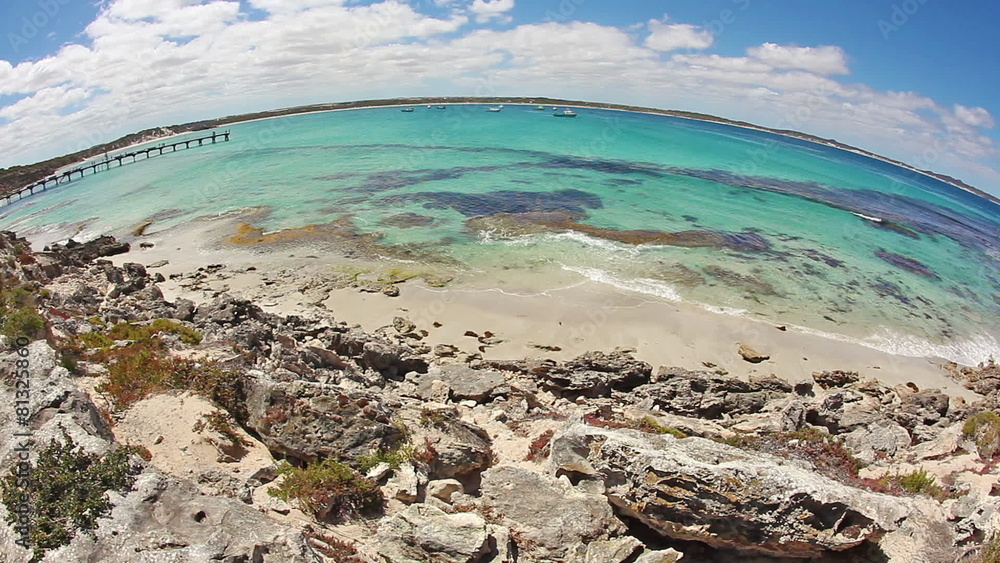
142,369
143,333
984,428
20,317
328,489
990,553
650,424
921,482
395,457
66,490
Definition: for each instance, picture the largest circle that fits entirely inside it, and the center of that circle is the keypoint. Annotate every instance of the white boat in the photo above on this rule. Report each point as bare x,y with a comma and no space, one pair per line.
406,110
495,109
442,107
539,108
565,113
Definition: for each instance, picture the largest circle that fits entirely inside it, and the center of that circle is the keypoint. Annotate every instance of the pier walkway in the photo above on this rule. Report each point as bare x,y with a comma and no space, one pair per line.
67,176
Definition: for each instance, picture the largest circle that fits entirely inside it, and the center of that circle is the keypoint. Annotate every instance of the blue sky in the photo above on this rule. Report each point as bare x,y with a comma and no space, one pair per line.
914,80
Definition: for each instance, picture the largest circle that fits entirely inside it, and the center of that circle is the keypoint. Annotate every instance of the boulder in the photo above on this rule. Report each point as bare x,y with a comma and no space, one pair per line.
697,489
460,449
594,374
703,394
880,438
310,421
751,355
164,519
836,378
463,382
548,513
422,532
444,489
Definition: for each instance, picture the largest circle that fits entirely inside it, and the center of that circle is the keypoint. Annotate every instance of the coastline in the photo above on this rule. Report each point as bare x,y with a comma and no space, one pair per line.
402,102
559,324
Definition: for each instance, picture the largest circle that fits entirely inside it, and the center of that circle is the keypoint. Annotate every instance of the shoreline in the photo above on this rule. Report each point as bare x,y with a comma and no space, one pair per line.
647,111
317,108
559,324
201,241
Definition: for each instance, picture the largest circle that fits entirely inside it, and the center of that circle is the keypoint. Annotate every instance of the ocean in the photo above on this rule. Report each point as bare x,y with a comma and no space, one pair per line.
740,221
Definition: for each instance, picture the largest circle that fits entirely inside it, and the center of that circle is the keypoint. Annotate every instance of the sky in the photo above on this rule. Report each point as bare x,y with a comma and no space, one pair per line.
914,80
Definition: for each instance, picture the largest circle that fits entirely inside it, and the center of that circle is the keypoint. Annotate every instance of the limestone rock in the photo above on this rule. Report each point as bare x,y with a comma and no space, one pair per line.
880,437
460,449
836,378
310,421
594,374
424,533
751,355
703,394
464,382
444,489
696,489
547,512
168,520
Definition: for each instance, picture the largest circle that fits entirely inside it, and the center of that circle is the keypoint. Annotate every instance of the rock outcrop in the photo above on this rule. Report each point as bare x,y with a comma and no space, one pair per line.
697,489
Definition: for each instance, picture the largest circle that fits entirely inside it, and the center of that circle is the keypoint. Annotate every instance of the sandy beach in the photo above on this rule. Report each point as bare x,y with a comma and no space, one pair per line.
558,323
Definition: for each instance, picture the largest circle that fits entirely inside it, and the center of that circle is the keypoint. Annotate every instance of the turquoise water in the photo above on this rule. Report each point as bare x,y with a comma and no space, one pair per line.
741,221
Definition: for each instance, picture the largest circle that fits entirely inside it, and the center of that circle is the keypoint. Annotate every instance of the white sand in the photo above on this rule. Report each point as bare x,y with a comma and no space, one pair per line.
588,316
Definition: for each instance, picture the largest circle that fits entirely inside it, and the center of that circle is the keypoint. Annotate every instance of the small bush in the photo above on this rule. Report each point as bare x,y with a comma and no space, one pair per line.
650,424
394,457
328,489
990,552
143,333
142,369
430,417
921,482
66,490
19,315
984,428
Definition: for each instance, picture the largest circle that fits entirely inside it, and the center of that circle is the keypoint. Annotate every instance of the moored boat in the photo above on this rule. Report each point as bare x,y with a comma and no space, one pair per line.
495,109
565,113
406,110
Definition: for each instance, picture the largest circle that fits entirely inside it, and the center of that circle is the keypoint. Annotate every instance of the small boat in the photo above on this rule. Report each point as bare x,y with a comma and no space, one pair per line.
442,107
407,110
495,109
539,108
428,106
565,113
554,108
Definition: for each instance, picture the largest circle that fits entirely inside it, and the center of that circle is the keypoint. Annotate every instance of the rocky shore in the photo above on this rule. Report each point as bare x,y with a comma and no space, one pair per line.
215,430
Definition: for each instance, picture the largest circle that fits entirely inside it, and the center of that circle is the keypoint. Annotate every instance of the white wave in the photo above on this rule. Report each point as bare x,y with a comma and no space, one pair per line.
866,217
639,285
499,237
970,352
731,311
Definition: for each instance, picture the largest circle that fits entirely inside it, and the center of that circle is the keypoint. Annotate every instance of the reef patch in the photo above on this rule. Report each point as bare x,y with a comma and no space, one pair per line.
911,265
513,224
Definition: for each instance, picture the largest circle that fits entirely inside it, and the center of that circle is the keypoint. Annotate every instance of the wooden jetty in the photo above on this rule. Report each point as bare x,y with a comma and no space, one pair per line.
67,176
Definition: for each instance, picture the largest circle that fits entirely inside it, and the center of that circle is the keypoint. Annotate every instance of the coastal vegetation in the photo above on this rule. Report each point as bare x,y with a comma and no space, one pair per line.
67,491
327,489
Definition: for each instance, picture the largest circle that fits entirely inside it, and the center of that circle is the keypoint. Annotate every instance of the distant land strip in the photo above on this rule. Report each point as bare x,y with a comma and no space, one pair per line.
15,178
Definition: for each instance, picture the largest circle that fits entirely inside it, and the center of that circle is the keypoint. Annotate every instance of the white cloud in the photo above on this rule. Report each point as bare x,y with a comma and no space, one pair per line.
974,117
671,37
485,10
828,59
